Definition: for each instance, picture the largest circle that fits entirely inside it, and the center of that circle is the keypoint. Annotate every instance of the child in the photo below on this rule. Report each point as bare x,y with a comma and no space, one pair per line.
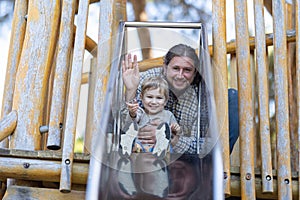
154,96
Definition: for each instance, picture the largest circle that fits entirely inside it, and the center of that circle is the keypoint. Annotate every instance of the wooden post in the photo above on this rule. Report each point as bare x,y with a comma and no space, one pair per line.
291,73
15,49
90,44
281,99
61,75
73,98
33,72
246,116
88,133
297,26
221,83
263,98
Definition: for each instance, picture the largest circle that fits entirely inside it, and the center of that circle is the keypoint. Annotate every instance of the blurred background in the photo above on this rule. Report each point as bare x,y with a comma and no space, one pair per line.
137,10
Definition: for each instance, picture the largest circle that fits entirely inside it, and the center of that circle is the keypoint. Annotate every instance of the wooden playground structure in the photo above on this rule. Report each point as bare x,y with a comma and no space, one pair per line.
44,77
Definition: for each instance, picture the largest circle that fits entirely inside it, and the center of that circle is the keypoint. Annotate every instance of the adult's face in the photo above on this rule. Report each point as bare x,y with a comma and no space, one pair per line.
180,73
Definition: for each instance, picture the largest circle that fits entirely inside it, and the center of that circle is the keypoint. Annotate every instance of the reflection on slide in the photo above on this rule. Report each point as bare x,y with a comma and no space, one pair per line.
143,176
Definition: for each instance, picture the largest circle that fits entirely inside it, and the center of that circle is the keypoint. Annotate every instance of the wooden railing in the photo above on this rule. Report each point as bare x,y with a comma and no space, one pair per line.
40,89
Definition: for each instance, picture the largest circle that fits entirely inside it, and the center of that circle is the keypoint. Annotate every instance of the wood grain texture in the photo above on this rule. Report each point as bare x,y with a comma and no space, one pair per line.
33,72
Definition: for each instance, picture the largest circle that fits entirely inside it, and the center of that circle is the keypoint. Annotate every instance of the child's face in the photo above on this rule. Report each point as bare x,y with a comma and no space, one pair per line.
153,101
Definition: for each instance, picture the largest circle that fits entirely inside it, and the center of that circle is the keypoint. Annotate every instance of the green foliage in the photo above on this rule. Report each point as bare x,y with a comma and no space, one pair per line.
79,143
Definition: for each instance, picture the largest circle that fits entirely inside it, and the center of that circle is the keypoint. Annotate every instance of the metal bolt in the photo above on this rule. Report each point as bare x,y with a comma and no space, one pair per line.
26,165
286,181
60,125
67,161
44,129
248,176
268,177
25,17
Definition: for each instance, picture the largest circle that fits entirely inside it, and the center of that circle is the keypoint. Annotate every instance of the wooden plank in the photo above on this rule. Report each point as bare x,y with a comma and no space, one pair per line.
221,83
14,53
33,72
8,124
263,97
47,108
90,44
73,98
65,43
297,26
33,193
43,155
253,101
291,74
90,109
281,100
39,170
246,115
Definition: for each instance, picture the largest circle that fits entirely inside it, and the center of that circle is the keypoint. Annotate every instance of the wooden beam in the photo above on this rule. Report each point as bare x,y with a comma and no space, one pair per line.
43,155
73,98
281,101
297,25
90,44
8,124
40,170
90,107
19,192
221,84
263,97
14,54
245,97
33,74
65,43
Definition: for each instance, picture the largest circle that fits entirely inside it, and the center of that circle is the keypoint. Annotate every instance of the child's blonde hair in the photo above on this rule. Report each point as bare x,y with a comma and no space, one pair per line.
154,83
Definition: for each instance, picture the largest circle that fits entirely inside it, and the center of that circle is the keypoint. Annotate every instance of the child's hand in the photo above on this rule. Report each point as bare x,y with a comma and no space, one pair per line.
132,107
175,128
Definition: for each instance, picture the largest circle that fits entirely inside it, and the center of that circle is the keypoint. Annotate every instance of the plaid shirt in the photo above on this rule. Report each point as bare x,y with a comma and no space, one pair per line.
185,110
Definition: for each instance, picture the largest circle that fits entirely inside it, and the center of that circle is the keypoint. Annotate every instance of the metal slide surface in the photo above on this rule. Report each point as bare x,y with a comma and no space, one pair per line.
144,175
